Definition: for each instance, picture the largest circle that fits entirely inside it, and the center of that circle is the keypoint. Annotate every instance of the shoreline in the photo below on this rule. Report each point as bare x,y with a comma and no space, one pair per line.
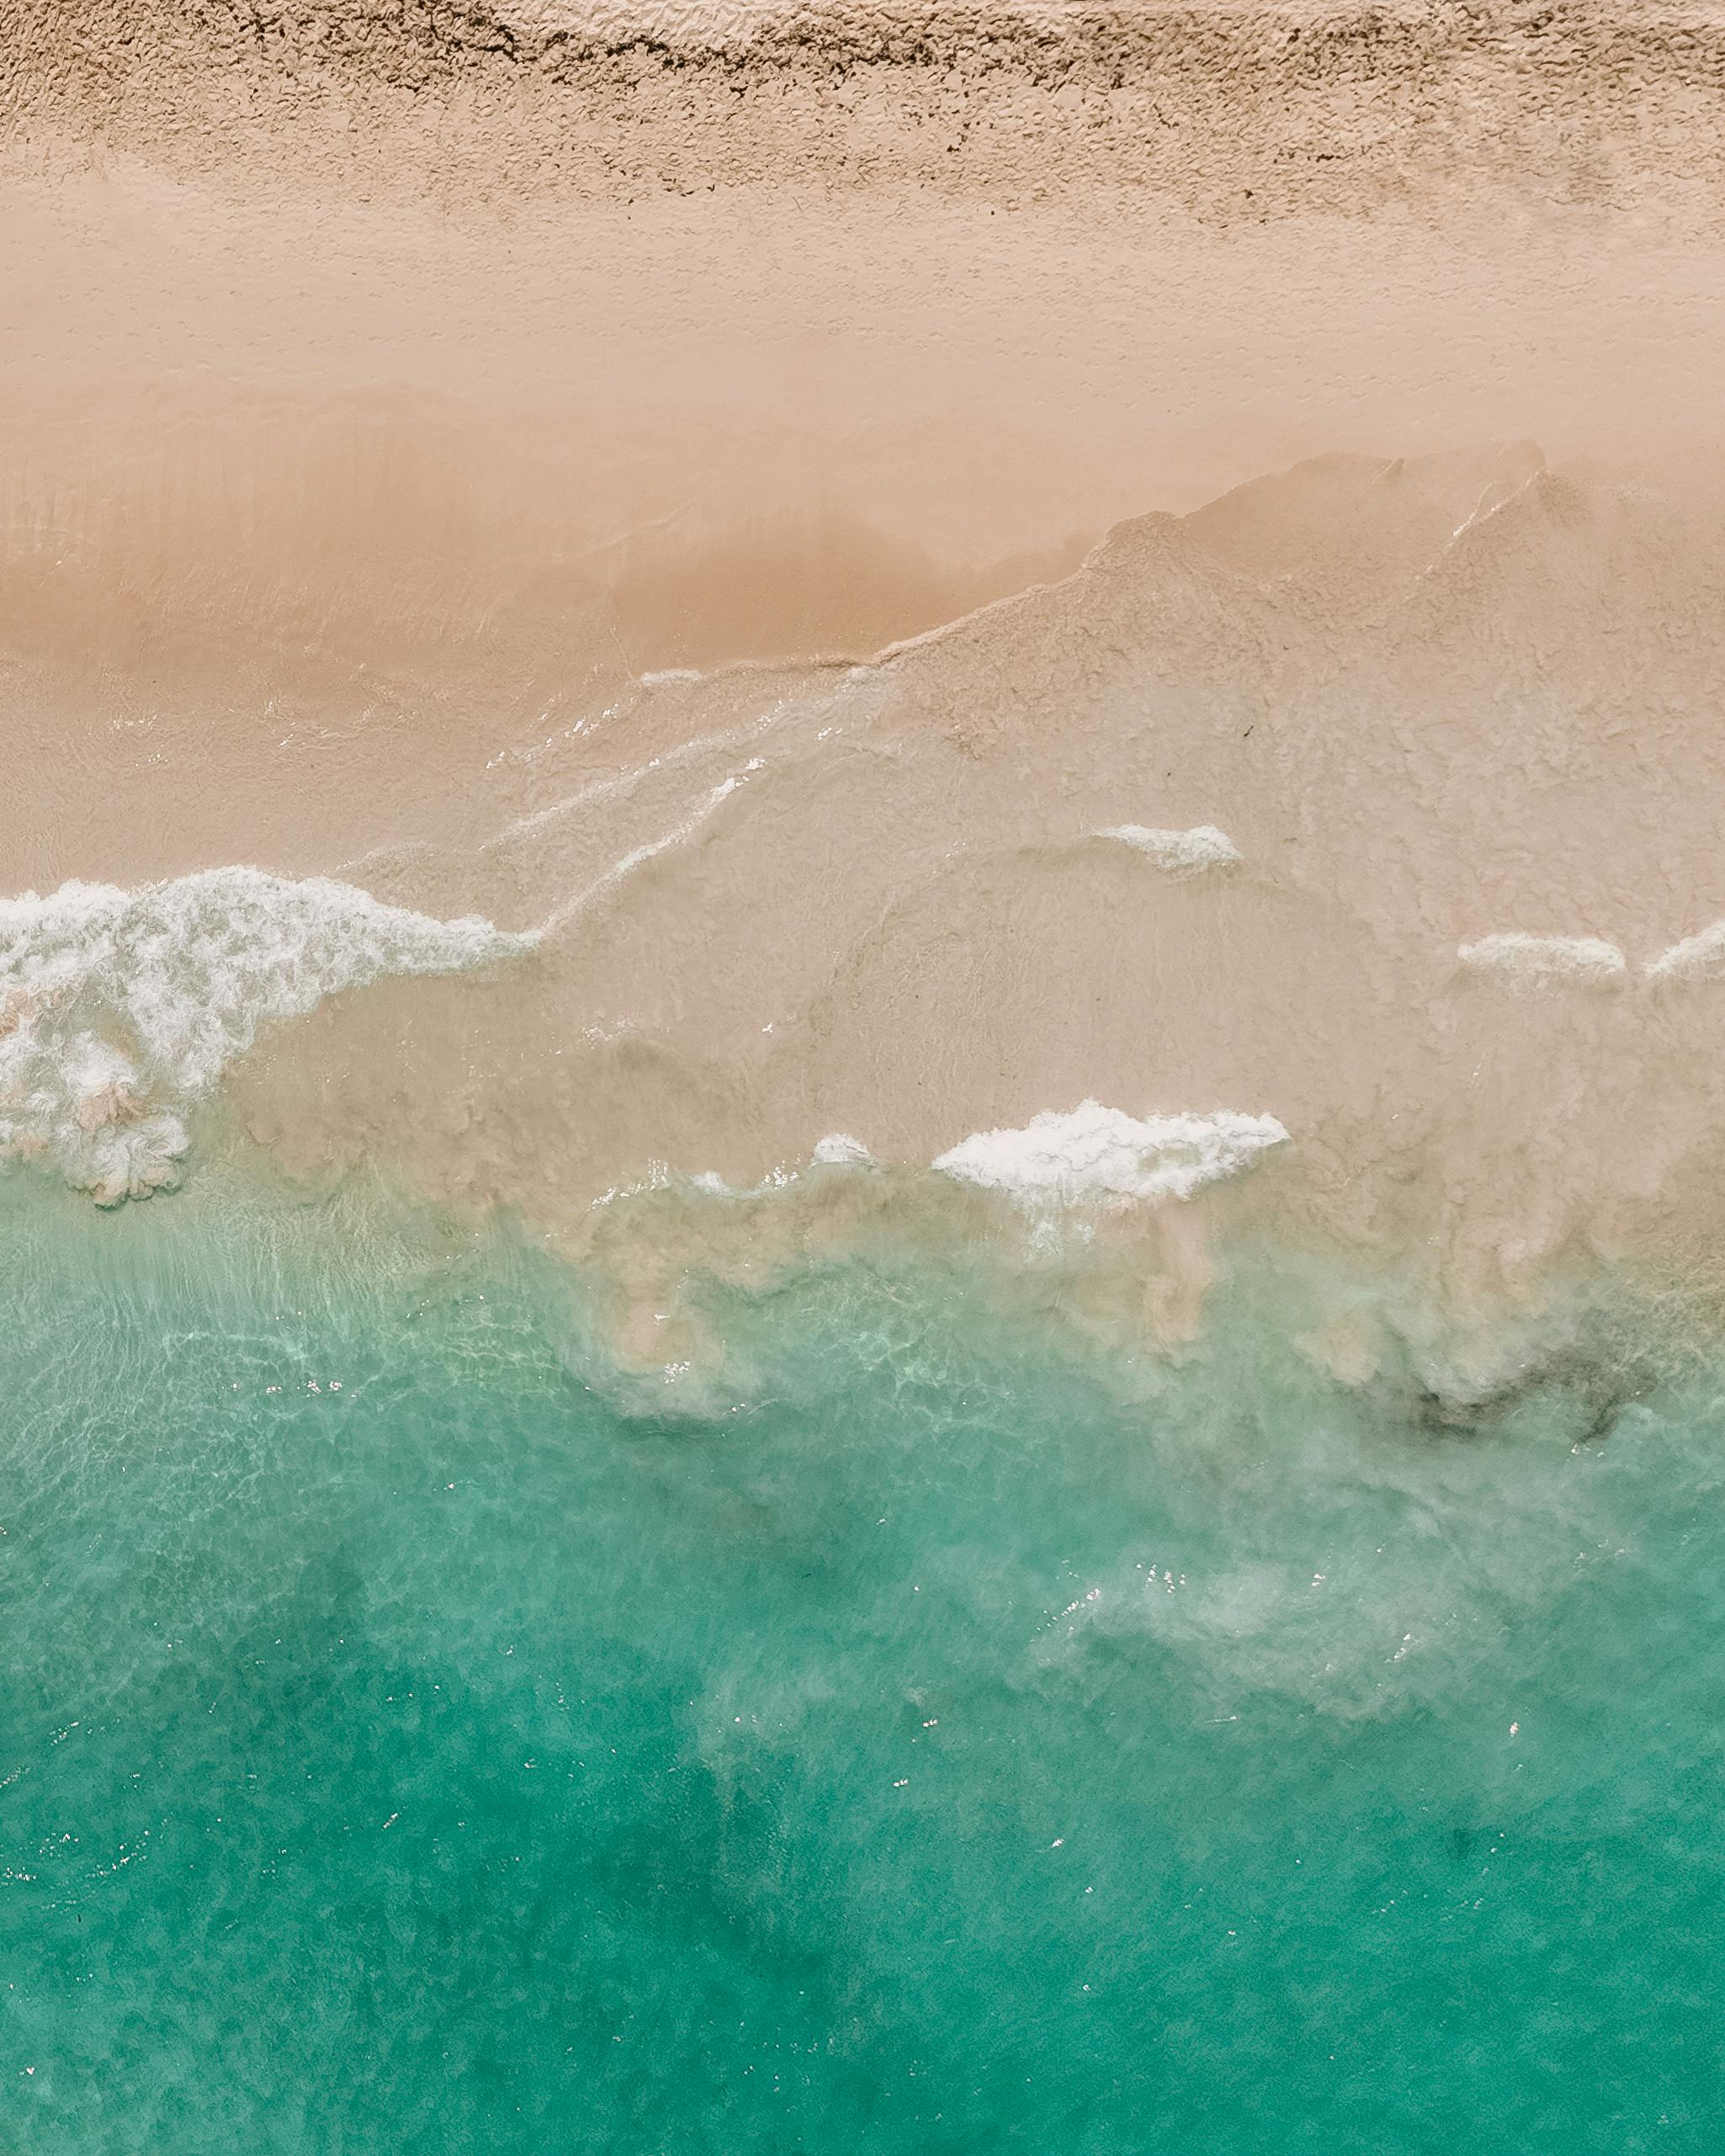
826,606
1381,804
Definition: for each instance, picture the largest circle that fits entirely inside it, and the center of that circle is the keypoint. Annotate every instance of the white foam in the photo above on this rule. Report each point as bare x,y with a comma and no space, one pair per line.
838,1150
1700,957
1095,1154
119,1007
1546,961
1179,853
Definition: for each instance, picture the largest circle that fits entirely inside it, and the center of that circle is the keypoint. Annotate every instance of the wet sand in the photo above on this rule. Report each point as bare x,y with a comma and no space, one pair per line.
881,900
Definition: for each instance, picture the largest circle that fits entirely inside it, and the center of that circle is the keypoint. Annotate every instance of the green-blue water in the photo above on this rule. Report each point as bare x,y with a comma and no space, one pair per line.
945,1742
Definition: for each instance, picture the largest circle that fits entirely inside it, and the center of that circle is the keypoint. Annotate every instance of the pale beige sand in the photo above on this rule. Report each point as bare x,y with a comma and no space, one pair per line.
390,388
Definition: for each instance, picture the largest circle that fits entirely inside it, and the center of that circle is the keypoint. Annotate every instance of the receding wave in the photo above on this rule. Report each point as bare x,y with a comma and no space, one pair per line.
120,1007
897,899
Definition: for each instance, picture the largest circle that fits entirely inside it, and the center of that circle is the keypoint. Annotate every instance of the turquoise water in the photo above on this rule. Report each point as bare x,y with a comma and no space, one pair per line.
945,1740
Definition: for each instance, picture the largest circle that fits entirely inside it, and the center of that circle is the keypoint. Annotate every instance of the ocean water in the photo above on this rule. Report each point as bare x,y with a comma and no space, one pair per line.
931,1734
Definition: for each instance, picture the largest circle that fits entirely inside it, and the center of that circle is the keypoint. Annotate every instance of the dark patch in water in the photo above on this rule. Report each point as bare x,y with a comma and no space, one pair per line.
1599,1391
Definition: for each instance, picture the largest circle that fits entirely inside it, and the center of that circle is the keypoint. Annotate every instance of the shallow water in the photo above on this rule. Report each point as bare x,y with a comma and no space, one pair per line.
414,1737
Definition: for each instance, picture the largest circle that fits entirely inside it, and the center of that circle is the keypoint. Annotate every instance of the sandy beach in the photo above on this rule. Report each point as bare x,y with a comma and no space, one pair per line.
757,496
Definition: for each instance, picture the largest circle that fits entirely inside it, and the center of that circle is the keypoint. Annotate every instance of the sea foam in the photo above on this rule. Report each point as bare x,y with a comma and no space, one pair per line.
1699,957
1093,1154
1521,961
839,1149
1178,853
120,1007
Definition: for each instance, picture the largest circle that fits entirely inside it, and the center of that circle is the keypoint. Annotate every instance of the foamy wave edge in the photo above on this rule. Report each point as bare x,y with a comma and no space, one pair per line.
1079,1158
1178,853
1092,1154
1524,961
120,1008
